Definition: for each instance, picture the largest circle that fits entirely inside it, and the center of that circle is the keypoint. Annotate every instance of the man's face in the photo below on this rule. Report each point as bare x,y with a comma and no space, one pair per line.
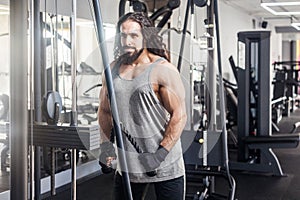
131,40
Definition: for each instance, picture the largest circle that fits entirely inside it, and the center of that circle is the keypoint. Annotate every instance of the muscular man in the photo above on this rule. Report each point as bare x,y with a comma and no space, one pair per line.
151,105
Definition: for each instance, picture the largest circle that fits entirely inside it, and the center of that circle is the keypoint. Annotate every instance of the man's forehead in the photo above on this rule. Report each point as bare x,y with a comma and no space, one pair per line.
131,26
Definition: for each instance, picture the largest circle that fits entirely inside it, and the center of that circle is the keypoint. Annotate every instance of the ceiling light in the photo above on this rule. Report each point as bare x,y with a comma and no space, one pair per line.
3,7
296,26
270,7
4,13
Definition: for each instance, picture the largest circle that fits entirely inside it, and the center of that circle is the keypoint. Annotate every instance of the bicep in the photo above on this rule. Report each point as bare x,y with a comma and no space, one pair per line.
171,90
172,96
104,107
172,100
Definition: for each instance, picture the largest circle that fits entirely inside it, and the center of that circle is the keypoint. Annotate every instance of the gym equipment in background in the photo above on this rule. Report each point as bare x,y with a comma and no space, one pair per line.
164,12
63,140
207,155
52,107
289,81
4,131
4,106
291,68
255,140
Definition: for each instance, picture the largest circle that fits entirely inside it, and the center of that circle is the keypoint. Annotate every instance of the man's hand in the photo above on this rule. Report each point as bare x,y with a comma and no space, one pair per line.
151,161
107,155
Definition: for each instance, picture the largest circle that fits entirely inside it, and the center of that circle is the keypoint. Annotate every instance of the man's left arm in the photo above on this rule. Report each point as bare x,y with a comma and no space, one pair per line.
172,95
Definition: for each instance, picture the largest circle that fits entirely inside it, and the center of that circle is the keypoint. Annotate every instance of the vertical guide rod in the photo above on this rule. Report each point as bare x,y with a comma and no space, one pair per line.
18,99
74,95
37,93
222,104
211,77
53,66
74,63
31,98
192,65
183,34
112,98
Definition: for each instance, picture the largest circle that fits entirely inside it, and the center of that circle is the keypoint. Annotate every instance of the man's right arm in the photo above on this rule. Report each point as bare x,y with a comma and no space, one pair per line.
107,149
104,114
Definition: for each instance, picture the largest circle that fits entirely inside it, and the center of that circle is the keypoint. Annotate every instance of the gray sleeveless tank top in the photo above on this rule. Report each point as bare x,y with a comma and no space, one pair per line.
144,119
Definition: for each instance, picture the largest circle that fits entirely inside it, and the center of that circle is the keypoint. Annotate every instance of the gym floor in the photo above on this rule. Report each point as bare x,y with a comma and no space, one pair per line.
250,186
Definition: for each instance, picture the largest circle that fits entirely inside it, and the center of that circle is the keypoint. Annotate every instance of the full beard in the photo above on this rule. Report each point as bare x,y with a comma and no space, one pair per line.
129,57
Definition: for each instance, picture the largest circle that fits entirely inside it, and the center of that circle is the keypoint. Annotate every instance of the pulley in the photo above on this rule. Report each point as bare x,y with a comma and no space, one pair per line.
200,3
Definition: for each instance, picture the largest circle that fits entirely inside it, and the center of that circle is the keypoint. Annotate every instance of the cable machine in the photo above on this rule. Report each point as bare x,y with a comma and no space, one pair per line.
47,132
210,140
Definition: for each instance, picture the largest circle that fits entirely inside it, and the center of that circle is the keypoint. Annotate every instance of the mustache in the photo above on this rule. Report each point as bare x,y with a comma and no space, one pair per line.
128,47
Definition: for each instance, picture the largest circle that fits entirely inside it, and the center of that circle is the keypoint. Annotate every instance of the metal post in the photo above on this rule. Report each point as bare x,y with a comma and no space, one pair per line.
53,73
186,18
113,103
222,105
73,63
18,99
74,94
264,83
212,91
74,172
37,94
53,66
31,90
192,66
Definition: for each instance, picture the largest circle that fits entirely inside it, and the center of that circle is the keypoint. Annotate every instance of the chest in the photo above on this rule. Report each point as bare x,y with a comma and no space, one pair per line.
130,72
135,77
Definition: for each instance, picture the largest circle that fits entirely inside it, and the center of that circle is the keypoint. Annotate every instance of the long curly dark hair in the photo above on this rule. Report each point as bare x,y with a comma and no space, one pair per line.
154,42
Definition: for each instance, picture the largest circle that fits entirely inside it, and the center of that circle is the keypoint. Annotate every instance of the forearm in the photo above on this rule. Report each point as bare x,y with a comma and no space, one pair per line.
173,130
105,123
104,115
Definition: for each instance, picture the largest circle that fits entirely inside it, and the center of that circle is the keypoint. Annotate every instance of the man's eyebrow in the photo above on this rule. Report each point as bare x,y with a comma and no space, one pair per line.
130,33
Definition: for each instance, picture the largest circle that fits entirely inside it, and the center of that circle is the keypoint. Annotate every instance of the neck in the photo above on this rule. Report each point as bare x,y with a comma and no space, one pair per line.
144,58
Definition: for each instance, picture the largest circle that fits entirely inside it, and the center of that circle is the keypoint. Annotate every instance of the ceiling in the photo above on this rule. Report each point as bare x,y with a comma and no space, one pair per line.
251,7
254,9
